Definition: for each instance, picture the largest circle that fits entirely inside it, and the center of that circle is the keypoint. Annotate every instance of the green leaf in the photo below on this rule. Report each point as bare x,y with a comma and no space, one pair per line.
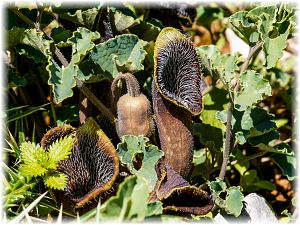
264,17
13,37
253,122
59,150
16,114
130,202
199,157
81,17
264,184
154,208
60,35
254,88
31,53
146,31
14,79
211,131
267,142
268,24
123,18
218,186
122,53
216,64
32,169
287,164
241,167
134,146
244,27
90,72
57,181
273,47
82,42
234,201
249,176
32,153
37,40
62,80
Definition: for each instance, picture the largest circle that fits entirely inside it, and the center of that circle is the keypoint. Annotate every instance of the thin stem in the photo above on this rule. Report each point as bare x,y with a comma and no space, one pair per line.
95,100
52,107
80,85
248,158
253,50
227,142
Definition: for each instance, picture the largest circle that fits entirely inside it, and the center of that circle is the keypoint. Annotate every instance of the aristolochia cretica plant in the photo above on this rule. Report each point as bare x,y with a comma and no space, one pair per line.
93,164
176,97
133,109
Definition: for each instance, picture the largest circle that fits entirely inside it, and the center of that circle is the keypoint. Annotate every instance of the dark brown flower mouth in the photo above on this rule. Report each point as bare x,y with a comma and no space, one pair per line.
178,196
188,199
178,73
93,164
87,168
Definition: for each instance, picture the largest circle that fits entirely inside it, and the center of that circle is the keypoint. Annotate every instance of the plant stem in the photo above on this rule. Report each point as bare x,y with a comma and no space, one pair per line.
227,142
248,158
253,50
80,85
53,107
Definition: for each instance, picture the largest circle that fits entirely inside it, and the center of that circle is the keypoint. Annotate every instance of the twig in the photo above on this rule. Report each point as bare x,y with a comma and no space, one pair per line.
248,158
80,85
253,50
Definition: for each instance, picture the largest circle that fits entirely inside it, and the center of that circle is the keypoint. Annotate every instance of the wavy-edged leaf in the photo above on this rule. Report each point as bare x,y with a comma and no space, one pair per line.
57,181
124,52
130,202
146,30
60,36
81,17
32,169
37,40
287,164
123,18
244,27
13,37
31,53
234,201
90,72
59,150
62,80
254,88
216,64
132,146
273,47
218,186
254,122
82,42
270,24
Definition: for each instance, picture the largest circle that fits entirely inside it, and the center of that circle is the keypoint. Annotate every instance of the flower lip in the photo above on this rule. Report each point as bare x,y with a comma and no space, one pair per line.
177,72
93,164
